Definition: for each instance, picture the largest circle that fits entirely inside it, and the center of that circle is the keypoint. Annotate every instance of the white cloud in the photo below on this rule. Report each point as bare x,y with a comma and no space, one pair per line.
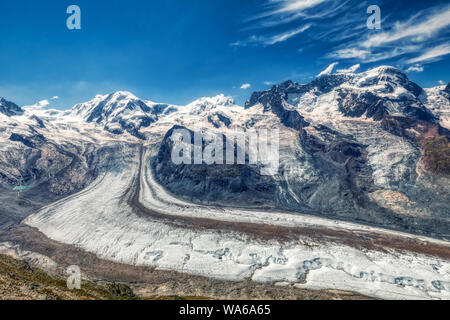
412,29
441,82
298,5
328,70
370,56
432,54
270,40
350,53
268,83
245,86
412,36
415,68
352,69
284,36
43,103
284,11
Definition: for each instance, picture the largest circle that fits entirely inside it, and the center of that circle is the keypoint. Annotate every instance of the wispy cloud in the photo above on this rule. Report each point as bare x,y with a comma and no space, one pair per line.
412,30
410,38
274,13
371,56
415,68
284,36
297,5
270,40
246,86
278,12
403,38
432,54
328,70
43,103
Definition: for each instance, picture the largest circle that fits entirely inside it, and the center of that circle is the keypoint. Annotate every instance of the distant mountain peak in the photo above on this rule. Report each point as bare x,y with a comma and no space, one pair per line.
123,95
210,103
219,99
380,91
120,112
385,68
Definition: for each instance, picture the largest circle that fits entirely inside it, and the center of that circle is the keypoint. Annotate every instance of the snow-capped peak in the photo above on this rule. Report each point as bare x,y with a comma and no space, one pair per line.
371,94
123,95
121,111
210,103
219,100
107,106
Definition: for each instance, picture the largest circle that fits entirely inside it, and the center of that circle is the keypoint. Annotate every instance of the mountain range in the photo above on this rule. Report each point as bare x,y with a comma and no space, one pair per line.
369,147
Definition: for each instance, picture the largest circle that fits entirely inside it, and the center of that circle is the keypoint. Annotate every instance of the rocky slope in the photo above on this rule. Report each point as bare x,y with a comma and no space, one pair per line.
20,281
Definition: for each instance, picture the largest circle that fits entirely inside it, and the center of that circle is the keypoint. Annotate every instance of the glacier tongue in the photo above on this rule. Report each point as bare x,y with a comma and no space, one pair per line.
100,220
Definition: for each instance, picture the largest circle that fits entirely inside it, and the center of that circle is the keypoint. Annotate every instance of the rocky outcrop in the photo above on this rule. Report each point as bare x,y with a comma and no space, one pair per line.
9,108
223,184
273,100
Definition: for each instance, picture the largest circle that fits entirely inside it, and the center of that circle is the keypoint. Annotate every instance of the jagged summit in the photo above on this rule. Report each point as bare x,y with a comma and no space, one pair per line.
374,93
120,112
105,106
9,108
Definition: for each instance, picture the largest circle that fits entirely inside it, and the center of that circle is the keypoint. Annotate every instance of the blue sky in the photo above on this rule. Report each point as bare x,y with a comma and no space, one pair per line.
175,51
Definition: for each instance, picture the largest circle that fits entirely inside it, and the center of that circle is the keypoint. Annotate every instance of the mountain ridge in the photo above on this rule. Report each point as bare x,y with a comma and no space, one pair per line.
350,143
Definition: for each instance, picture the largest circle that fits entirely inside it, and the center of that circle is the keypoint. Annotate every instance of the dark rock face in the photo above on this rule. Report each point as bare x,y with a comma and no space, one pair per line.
273,100
355,105
39,121
232,184
218,120
25,140
10,109
447,88
336,155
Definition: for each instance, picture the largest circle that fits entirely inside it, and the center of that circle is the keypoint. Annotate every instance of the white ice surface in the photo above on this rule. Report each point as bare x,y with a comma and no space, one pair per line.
98,220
